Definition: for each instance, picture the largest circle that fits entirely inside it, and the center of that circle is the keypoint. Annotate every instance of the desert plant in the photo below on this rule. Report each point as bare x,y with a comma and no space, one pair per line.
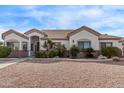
52,53
4,51
111,52
74,50
41,54
61,50
88,52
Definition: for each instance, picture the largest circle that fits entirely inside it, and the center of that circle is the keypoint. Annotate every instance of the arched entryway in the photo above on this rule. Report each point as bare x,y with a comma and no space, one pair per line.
35,44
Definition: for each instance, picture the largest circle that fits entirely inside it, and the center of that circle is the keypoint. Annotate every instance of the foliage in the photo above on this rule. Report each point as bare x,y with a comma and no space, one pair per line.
111,52
61,50
74,50
48,44
4,51
52,53
88,52
41,54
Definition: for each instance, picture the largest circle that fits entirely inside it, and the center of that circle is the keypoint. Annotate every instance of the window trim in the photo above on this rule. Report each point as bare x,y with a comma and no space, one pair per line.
89,42
106,44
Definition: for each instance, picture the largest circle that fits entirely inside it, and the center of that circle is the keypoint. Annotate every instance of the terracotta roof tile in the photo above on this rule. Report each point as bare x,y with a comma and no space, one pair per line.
57,34
108,37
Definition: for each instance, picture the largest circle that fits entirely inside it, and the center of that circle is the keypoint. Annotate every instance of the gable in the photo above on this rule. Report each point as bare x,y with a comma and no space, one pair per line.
13,32
34,31
83,34
14,38
84,28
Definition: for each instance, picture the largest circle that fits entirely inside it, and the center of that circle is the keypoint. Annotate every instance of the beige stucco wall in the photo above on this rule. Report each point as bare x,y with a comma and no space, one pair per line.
85,35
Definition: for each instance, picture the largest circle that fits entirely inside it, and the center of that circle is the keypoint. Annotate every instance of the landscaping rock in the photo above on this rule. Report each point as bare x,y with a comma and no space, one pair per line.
115,58
102,57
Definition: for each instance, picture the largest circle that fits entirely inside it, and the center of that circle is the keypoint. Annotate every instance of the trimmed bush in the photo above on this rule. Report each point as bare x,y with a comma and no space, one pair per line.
88,52
61,50
4,51
52,53
45,54
111,52
41,54
74,50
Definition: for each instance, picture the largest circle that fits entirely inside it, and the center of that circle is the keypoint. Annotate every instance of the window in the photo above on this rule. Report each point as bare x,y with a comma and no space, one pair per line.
84,44
106,44
13,45
24,46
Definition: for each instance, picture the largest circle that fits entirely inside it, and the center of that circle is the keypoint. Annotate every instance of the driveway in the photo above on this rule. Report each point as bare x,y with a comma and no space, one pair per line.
62,74
4,62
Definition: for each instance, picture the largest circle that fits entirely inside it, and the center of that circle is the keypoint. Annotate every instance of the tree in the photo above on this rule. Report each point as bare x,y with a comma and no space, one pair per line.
48,44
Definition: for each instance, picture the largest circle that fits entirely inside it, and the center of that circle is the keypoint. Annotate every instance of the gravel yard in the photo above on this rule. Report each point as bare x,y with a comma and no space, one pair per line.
62,74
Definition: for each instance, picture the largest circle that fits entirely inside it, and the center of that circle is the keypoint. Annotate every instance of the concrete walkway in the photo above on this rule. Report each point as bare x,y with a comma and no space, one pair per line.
11,62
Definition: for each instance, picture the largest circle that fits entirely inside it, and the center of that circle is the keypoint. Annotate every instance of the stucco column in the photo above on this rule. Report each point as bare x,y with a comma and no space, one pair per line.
39,43
20,45
29,47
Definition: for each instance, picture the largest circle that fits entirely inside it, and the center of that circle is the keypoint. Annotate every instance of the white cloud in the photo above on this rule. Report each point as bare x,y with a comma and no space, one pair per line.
116,32
93,12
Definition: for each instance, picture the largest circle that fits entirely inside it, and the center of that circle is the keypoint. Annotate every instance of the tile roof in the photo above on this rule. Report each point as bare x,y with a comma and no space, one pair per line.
62,34
57,34
84,28
108,37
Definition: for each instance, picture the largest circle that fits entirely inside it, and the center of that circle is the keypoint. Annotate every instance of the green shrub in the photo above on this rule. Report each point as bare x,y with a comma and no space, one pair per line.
74,50
52,53
41,54
61,50
111,52
88,52
4,51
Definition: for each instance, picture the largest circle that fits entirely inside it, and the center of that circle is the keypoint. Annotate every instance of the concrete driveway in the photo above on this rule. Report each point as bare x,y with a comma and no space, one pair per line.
4,62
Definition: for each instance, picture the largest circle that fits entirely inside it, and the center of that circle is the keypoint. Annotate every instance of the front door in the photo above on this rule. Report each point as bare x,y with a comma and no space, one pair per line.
37,47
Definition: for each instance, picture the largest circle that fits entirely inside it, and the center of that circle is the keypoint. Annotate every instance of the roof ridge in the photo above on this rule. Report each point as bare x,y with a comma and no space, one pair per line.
57,29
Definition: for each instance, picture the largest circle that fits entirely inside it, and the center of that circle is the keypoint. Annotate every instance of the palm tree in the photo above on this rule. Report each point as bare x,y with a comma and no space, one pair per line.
48,44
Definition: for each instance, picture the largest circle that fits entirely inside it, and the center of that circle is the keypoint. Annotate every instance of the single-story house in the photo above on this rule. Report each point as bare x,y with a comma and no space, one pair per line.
84,37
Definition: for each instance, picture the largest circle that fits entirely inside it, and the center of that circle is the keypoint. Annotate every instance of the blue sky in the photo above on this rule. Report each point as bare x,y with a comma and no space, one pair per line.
105,19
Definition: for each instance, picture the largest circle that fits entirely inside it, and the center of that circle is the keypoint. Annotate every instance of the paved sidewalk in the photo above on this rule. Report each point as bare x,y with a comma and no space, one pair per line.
11,62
